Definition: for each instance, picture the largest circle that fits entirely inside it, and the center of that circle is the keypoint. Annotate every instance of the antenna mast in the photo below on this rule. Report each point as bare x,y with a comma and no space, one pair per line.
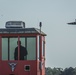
40,26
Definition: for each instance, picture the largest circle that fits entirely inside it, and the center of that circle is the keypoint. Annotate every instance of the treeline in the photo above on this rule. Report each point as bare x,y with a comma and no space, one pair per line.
60,71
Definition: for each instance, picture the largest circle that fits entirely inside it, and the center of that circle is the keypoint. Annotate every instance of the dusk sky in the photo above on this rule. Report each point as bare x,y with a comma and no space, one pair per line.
54,15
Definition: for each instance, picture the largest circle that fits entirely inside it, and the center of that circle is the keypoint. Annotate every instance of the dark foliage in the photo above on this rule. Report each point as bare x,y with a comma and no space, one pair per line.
60,71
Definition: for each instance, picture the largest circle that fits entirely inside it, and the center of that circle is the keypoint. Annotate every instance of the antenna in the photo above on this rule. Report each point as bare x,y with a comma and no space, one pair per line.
40,24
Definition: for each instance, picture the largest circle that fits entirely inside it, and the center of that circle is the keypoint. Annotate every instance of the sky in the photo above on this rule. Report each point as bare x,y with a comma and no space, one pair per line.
54,15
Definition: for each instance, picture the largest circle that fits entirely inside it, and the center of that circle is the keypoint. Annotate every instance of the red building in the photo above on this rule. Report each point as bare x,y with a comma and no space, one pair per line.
32,39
